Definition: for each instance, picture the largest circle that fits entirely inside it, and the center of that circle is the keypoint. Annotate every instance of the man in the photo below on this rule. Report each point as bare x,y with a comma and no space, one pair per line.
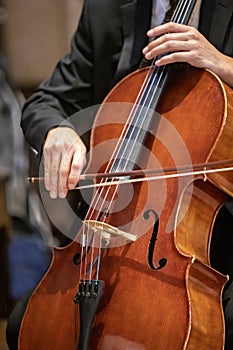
102,55
98,61
110,42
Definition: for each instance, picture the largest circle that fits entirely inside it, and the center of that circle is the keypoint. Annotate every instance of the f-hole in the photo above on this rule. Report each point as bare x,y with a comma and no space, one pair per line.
163,261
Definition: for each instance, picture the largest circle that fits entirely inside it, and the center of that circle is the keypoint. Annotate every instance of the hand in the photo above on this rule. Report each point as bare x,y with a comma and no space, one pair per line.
183,43
64,159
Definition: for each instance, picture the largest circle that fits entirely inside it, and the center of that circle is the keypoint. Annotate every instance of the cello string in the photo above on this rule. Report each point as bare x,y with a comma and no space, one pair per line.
132,130
97,194
88,214
109,206
113,195
116,153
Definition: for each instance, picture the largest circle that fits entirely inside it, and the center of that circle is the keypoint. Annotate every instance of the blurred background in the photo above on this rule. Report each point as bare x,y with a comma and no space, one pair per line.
33,36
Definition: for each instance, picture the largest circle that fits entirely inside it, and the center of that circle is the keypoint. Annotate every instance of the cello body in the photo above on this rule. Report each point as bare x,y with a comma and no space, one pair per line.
160,291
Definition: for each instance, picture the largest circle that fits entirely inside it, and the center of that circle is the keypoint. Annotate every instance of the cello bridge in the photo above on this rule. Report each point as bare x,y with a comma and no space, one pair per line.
107,231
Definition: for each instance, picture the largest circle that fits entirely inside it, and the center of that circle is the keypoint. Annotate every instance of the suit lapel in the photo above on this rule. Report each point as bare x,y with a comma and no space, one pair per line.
127,19
222,13
207,9
134,25
221,19
142,24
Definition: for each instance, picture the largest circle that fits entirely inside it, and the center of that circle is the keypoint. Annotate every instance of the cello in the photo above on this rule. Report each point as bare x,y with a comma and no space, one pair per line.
135,277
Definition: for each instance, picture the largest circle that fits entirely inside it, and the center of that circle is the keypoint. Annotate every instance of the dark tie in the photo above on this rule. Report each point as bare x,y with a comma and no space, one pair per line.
171,10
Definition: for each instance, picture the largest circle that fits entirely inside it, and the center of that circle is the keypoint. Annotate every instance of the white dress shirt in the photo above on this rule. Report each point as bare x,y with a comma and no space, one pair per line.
159,10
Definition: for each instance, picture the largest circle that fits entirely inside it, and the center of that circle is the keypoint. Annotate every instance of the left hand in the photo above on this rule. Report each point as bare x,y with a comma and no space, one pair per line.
181,43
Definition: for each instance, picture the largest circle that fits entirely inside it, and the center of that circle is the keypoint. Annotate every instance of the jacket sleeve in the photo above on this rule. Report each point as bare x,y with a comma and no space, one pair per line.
69,89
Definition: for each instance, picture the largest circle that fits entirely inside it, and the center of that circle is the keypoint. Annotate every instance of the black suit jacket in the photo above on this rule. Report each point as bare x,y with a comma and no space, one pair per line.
106,47
216,23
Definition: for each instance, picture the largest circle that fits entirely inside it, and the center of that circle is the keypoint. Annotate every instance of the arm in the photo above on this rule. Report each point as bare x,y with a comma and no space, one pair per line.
68,90
186,44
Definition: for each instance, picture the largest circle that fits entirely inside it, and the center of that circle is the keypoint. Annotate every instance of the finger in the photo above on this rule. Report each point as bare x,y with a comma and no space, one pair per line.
168,47
168,28
54,173
169,41
47,162
77,165
64,173
187,57
172,58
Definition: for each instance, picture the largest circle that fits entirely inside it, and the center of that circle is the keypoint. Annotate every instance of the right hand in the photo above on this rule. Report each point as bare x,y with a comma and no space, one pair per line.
64,158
